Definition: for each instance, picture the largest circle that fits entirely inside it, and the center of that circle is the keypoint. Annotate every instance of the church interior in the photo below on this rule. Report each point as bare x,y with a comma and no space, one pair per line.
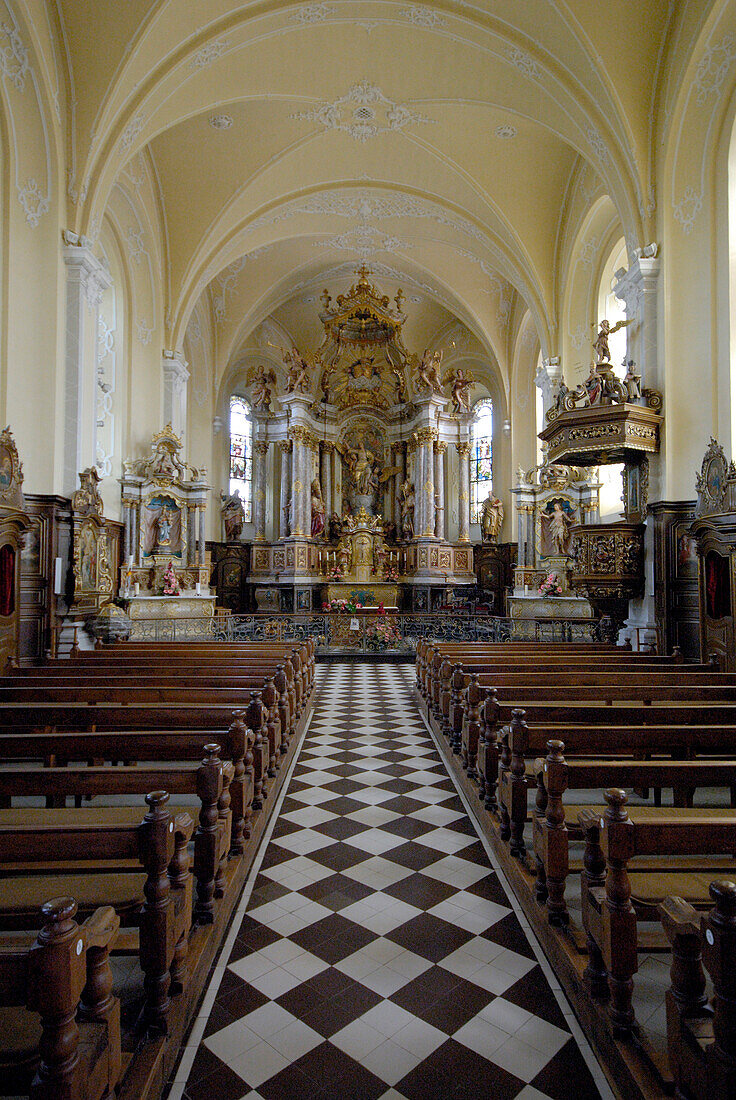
367,549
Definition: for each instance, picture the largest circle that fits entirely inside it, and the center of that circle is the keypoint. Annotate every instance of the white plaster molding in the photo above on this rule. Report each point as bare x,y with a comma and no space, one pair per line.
143,332
524,62
35,204
365,240
713,69
14,64
419,16
363,113
309,14
688,208
505,132
209,53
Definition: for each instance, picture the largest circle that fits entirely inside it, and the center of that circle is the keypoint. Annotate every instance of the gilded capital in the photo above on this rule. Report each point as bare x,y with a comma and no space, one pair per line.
463,449
440,448
286,446
261,448
425,435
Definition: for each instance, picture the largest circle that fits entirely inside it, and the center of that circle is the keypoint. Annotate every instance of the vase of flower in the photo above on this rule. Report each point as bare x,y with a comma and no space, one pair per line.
550,586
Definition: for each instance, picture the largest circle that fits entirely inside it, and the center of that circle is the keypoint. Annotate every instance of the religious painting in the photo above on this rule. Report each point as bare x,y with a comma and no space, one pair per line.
362,451
556,518
7,580
6,467
686,552
87,559
161,527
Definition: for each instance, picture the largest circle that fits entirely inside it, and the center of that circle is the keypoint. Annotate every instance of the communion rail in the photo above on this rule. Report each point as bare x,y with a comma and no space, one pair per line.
362,631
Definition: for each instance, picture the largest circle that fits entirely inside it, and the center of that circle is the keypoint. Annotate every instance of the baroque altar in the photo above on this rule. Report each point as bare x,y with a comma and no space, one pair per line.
366,440
550,500
164,572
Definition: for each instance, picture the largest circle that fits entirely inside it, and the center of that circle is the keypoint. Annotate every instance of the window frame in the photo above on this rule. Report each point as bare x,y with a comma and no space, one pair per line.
244,484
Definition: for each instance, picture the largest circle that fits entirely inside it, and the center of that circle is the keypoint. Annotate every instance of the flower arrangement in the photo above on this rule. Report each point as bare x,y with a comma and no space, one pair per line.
336,573
171,582
391,573
550,586
382,634
348,607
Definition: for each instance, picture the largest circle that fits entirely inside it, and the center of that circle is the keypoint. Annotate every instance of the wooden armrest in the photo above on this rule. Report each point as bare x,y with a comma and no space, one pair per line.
678,917
184,825
589,819
102,927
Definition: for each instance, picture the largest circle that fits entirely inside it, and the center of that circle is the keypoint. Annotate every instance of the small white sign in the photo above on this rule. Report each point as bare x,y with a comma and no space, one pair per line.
354,624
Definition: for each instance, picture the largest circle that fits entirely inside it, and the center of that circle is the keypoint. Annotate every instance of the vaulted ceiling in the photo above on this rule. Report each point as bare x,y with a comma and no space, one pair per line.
436,141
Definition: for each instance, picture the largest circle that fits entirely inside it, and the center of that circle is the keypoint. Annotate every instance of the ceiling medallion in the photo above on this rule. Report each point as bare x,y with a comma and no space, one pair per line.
505,131
363,112
220,122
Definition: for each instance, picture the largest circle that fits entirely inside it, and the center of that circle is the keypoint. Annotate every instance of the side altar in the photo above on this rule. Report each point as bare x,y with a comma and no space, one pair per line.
550,500
364,440
164,573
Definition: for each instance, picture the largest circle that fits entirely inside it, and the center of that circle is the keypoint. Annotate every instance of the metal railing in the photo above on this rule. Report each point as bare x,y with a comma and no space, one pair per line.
362,631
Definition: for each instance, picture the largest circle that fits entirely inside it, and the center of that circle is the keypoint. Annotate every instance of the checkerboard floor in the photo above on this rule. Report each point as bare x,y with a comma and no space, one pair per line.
378,954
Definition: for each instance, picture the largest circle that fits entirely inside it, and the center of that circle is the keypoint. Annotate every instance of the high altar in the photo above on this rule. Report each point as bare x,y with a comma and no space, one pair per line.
363,431
165,574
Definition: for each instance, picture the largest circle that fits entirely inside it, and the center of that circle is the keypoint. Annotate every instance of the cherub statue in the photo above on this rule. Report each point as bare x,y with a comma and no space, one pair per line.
429,371
261,391
600,344
460,383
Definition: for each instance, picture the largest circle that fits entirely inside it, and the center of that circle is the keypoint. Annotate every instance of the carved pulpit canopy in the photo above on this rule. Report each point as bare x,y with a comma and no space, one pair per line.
86,500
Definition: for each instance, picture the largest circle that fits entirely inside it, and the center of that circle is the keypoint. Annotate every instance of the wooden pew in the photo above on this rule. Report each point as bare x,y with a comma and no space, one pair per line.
701,1036
553,820
608,886
70,1045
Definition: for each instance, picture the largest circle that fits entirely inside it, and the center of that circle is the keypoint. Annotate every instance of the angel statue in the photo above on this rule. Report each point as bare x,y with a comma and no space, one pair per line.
261,391
460,383
600,344
296,380
491,518
429,371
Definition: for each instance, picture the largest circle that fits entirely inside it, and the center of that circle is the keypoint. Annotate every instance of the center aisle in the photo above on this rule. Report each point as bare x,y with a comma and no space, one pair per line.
380,955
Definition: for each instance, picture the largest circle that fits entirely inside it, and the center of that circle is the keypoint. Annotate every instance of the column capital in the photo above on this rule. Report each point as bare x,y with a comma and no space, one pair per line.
174,366
261,447
463,448
82,264
425,435
440,447
286,446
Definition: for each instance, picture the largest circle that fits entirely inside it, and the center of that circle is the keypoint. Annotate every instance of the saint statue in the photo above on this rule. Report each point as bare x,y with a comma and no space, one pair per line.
407,510
318,510
491,518
334,527
361,464
261,391
297,381
559,528
233,516
631,381
460,383
600,344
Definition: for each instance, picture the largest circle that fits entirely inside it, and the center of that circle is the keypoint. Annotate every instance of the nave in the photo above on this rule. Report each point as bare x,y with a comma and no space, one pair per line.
375,951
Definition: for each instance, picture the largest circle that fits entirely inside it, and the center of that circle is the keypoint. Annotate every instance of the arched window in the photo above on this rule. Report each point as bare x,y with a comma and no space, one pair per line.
241,456
481,457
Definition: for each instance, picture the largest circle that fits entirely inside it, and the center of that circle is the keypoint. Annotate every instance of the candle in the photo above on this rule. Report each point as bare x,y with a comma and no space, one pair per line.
130,559
137,588
199,589
526,589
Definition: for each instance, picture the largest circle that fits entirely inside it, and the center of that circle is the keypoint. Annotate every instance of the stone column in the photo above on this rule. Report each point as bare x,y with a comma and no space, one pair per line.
424,491
128,520
301,520
547,378
400,461
86,281
176,376
463,450
201,511
637,288
260,450
439,488
285,493
325,477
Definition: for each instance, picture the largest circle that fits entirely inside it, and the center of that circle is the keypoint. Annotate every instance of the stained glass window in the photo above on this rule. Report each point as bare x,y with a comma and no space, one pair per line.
241,458
481,457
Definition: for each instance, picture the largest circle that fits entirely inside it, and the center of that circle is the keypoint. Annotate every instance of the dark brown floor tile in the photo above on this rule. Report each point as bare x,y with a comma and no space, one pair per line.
339,1075
476,853
224,1084
457,1007
566,1066
329,983
268,890
275,855
330,1016
241,1001
284,828
218,1018
398,786
342,805
326,886
415,856
431,937
428,1081
343,787
258,937
340,828
333,938
421,891
402,804
290,1084
509,932
408,827
468,1069
339,856
300,1000
204,1065
490,889
532,992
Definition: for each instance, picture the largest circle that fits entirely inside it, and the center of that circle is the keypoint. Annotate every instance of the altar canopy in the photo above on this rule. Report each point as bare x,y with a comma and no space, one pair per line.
364,443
